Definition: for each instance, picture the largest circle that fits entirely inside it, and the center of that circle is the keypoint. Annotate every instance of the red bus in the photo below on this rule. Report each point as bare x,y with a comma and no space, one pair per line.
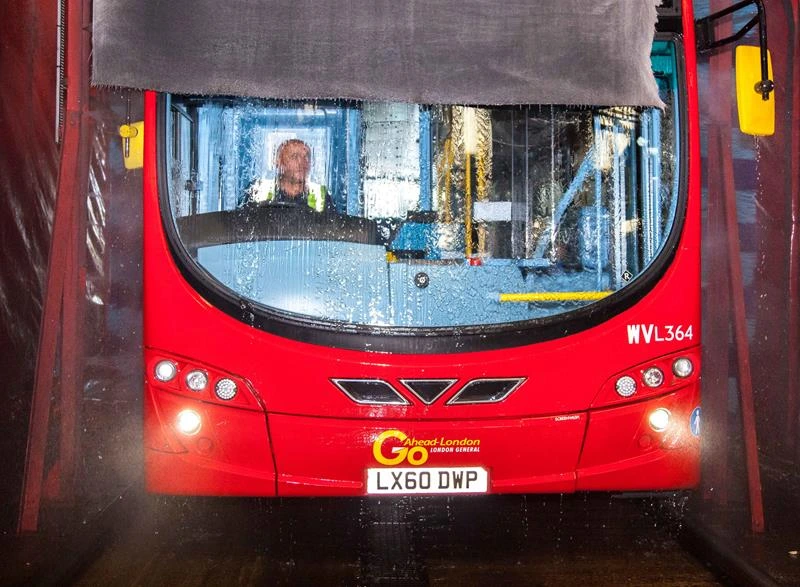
462,299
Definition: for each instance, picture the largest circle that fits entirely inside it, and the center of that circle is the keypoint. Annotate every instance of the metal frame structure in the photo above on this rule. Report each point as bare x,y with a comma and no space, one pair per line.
58,369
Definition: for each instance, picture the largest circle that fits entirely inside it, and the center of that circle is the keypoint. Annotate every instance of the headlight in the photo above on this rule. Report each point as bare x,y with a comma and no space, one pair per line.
196,380
188,422
165,371
682,367
659,419
626,386
653,377
225,389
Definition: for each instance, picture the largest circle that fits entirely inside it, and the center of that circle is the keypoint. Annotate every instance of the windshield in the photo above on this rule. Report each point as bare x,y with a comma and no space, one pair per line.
420,216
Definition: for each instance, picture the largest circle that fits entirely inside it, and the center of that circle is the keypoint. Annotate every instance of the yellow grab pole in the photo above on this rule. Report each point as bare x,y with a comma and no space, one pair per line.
448,178
554,296
470,134
468,205
481,193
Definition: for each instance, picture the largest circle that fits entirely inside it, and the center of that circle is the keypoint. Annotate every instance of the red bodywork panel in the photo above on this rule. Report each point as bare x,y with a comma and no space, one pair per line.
291,431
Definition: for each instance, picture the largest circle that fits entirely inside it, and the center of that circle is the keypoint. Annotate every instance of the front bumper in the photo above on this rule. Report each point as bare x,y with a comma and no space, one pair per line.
247,452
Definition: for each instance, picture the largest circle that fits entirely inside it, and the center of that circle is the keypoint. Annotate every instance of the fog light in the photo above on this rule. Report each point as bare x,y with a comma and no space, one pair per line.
166,371
626,386
653,377
659,419
682,367
188,422
225,389
196,380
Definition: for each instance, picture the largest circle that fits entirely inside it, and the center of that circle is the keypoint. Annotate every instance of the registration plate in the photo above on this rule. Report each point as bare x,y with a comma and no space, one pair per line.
402,481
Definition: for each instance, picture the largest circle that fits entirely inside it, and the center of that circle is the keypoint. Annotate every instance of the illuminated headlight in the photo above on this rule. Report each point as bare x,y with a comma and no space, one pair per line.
166,371
225,389
188,422
653,377
626,386
682,367
659,419
196,380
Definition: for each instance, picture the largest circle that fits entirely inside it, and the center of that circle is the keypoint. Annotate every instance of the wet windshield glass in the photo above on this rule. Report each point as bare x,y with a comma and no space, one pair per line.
387,214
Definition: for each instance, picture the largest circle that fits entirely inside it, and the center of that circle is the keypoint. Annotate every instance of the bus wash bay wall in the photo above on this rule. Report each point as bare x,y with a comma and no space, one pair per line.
93,396
761,176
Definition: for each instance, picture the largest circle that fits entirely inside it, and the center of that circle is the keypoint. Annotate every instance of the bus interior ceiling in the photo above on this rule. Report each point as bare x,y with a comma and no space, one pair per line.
82,309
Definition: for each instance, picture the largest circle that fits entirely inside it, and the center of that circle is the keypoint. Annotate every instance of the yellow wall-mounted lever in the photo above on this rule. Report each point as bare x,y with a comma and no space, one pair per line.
132,144
756,115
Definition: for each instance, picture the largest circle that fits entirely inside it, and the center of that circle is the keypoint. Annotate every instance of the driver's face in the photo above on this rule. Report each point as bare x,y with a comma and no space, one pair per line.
294,162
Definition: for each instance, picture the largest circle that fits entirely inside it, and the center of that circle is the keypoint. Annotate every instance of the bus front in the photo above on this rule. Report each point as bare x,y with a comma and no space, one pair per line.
463,299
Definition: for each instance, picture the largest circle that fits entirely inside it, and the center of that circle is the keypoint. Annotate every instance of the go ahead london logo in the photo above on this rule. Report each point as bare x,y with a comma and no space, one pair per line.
393,447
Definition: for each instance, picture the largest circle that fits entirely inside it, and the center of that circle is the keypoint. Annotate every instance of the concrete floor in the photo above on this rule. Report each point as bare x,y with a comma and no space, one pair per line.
509,540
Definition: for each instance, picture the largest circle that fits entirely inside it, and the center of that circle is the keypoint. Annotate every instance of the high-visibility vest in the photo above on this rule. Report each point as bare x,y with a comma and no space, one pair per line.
317,194
263,190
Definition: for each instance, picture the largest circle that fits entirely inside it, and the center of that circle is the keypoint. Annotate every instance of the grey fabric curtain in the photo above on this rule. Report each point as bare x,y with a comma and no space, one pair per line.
432,51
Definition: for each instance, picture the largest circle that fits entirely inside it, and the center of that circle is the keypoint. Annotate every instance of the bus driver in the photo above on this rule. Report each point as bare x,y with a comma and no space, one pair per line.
292,184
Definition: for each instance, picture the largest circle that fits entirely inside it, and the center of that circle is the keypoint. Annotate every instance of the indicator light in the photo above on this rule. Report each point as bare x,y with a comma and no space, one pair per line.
165,371
626,386
188,422
659,419
196,380
225,389
653,377
682,367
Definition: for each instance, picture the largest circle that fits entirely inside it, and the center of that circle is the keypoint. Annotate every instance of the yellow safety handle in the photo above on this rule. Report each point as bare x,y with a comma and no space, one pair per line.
128,131
132,144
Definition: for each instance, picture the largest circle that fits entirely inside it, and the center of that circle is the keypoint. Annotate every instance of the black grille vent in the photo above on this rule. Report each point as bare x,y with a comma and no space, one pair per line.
370,391
428,390
486,391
